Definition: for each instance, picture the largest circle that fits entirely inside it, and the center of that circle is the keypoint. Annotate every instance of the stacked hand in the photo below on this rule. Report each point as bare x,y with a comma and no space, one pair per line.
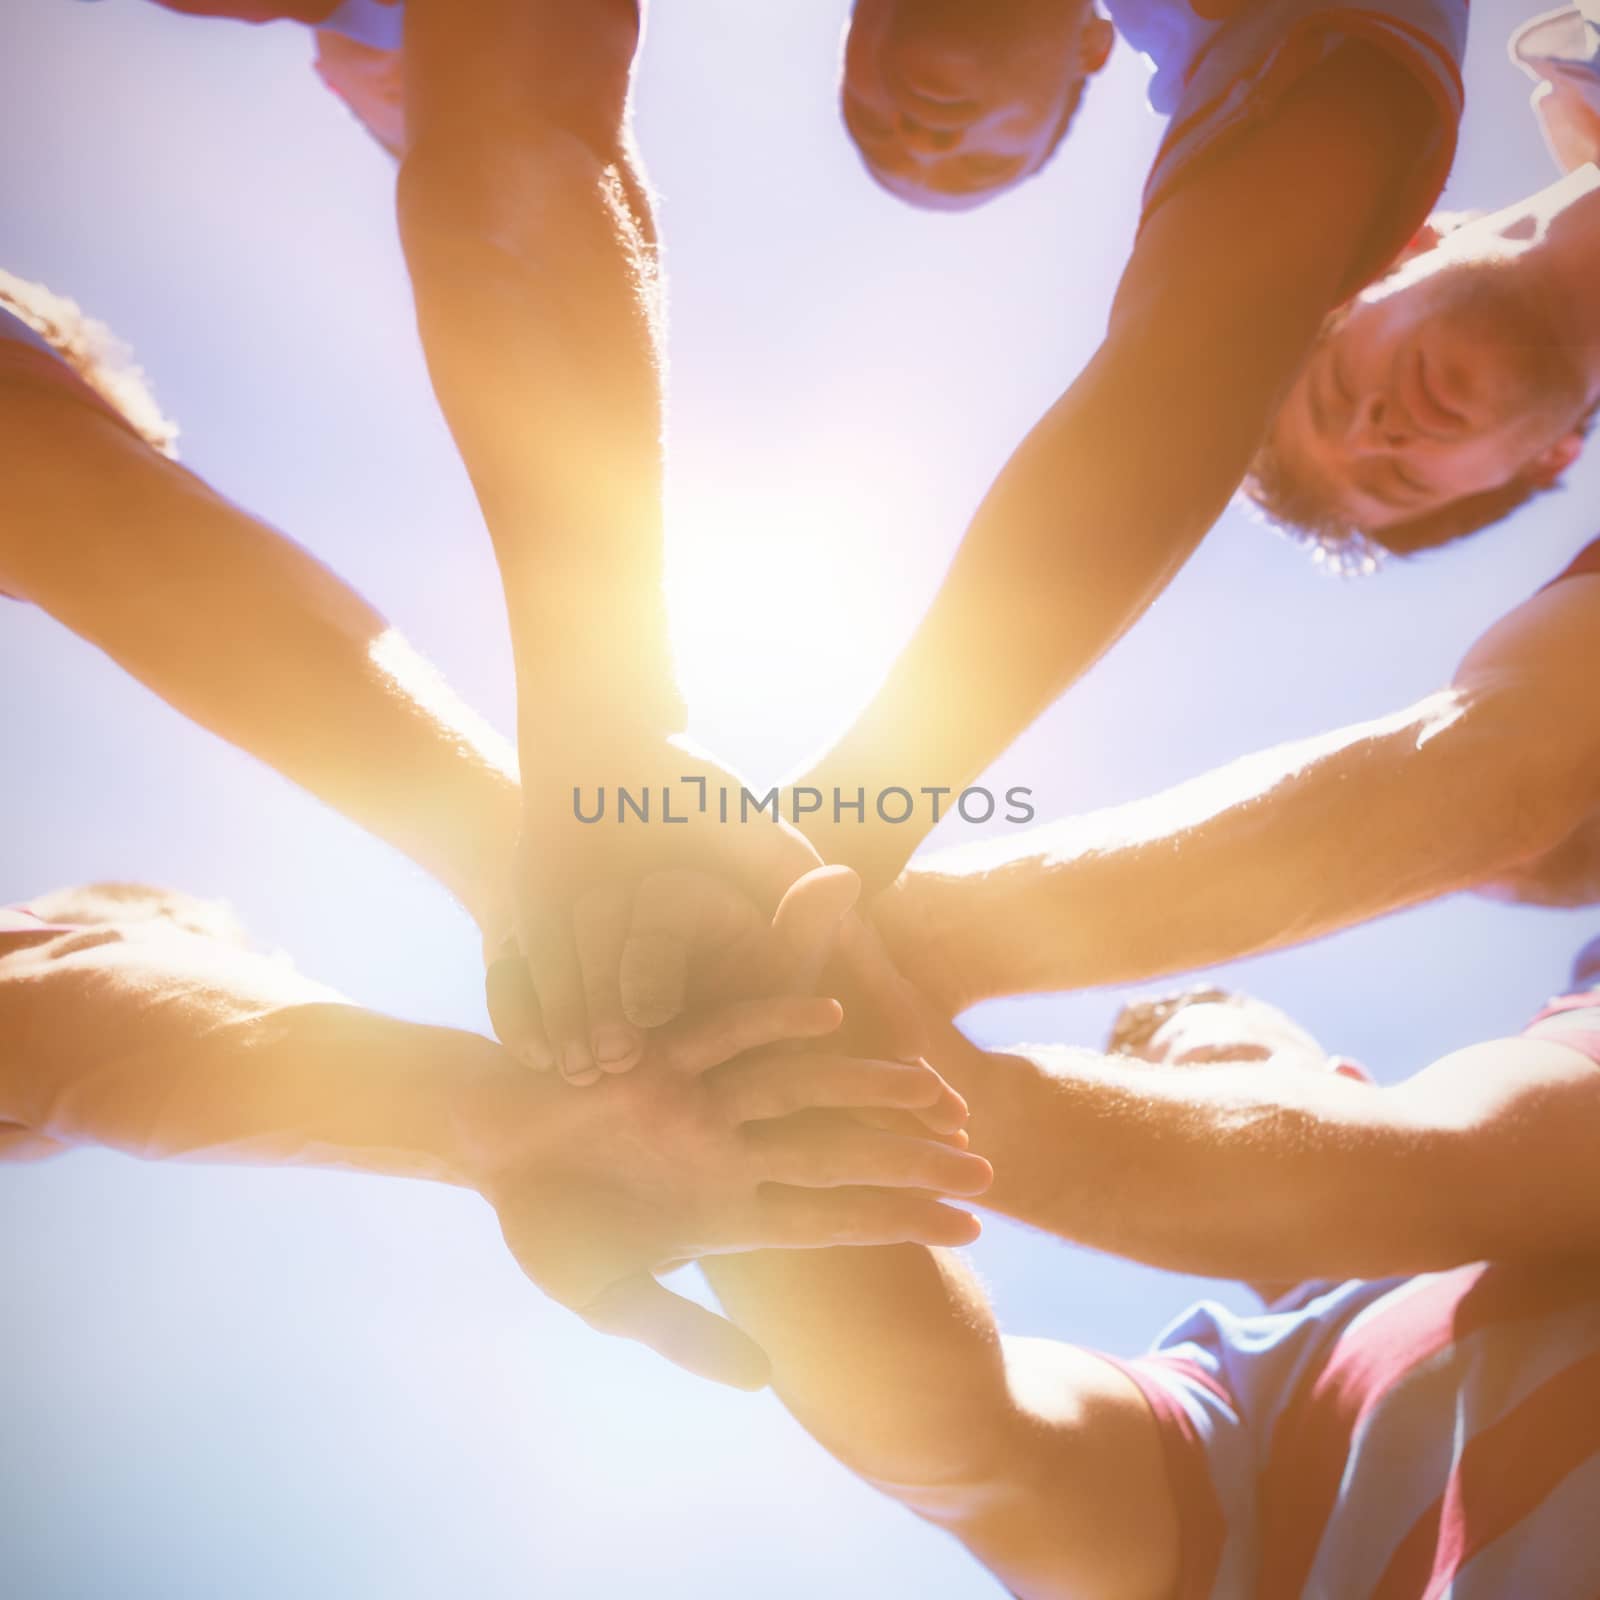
724,1138
614,938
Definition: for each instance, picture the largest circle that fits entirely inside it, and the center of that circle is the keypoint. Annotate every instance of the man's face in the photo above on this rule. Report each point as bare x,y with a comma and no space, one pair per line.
1448,380
951,102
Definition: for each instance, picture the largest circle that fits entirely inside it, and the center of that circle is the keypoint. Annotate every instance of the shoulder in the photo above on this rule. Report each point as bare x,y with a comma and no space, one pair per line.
1547,643
1585,562
1313,75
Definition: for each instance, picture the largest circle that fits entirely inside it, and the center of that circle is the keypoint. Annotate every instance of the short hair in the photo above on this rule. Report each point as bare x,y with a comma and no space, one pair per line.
90,348
1139,1021
1293,507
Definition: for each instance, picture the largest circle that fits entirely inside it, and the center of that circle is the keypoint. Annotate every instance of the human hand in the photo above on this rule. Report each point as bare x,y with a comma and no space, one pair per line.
623,922
1571,123
697,1152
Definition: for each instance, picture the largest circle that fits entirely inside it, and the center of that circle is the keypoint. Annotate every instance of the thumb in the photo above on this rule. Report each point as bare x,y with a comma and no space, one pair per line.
806,924
688,1335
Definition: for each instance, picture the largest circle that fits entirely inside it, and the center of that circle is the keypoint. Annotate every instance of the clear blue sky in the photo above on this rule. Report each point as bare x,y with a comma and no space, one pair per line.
257,1384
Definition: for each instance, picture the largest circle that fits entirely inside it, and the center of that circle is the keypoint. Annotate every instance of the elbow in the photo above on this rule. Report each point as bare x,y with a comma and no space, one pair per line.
1489,1176
488,165
1531,768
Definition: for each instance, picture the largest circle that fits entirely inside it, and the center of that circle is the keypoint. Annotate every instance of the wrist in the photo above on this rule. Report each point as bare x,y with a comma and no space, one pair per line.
485,878
508,1123
609,699
930,922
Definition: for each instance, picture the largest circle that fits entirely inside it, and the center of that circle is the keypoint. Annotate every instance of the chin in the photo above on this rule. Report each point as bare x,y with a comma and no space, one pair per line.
927,199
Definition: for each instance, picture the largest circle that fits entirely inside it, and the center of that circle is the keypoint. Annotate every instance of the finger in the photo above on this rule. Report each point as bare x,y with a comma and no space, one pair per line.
807,923
910,1124
600,931
688,1335
553,966
776,1086
767,860
823,1152
677,914
700,1043
891,1002
514,1009
820,1219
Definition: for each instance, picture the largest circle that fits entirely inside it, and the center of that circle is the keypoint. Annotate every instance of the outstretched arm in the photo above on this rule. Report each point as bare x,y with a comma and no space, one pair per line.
129,1029
1280,847
137,1028
527,224
1042,1459
241,630
1267,1171
1107,497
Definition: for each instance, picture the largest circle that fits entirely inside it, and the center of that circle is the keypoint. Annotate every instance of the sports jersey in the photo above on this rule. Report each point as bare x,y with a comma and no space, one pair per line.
1399,1440
371,22
1215,77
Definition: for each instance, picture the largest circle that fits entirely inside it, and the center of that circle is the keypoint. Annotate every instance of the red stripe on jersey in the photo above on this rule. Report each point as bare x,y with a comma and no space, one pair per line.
1502,1476
1193,1372
310,12
1183,1451
1311,1439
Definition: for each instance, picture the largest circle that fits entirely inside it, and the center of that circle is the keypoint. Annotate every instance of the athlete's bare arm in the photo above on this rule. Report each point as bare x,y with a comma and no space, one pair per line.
131,1031
527,224
1250,1162
1458,790
1105,500
242,631
1042,1459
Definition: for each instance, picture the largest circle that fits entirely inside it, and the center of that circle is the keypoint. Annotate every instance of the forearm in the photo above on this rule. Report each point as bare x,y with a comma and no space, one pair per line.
1278,1174
1228,284
310,680
1270,851
527,227
889,1357
1072,543
244,632
169,1045
1040,1457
